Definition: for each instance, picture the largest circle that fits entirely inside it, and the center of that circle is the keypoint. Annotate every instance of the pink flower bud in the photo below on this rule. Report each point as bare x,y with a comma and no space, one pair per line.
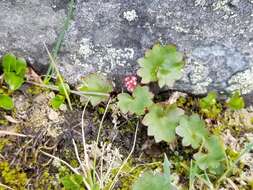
130,83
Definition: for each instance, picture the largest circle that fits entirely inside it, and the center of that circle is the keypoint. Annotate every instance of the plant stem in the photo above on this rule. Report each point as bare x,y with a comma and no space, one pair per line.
79,93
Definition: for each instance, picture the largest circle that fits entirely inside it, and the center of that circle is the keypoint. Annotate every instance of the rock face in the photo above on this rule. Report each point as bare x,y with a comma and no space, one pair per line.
26,24
110,35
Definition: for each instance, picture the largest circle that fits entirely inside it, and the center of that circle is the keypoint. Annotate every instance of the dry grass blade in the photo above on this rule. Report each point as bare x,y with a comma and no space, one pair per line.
86,158
13,134
78,157
62,161
58,74
68,165
126,160
5,186
98,136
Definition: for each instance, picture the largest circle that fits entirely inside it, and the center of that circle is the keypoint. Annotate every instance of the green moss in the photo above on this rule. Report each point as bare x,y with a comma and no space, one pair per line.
46,181
3,142
181,101
3,122
63,171
251,183
34,90
74,163
13,177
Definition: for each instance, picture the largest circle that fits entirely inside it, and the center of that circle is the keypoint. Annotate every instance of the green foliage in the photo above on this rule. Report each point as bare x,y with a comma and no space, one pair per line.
14,81
6,102
8,62
57,101
214,156
96,83
72,182
13,177
64,87
209,106
193,130
151,181
162,121
162,64
14,71
140,101
236,102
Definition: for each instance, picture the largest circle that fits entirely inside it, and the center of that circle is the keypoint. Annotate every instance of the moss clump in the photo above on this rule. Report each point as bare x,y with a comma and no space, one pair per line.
3,142
13,177
46,181
34,90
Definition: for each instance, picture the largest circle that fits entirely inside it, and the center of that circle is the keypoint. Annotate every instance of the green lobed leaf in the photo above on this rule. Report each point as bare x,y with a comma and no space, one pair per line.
96,83
162,121
162,64
215,154
137,103
6,102
72,182
236,102
192,130
57,101
9,62
150,181
14,81
166,168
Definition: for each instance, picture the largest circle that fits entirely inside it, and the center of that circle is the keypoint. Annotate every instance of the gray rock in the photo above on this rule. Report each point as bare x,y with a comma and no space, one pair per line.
26,24
108,36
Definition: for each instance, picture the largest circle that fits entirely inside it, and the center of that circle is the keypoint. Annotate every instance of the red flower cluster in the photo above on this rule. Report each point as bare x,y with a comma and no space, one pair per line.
130,83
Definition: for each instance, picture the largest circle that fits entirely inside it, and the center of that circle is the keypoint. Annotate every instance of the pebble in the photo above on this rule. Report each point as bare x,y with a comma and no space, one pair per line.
53,115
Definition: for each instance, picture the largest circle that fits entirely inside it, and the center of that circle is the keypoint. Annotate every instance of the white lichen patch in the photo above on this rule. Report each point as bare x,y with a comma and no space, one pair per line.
198,75
130,15
116,57
242,81
85,49
222,5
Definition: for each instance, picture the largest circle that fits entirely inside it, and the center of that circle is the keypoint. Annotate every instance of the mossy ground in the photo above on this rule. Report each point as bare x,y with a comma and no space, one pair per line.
23,165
